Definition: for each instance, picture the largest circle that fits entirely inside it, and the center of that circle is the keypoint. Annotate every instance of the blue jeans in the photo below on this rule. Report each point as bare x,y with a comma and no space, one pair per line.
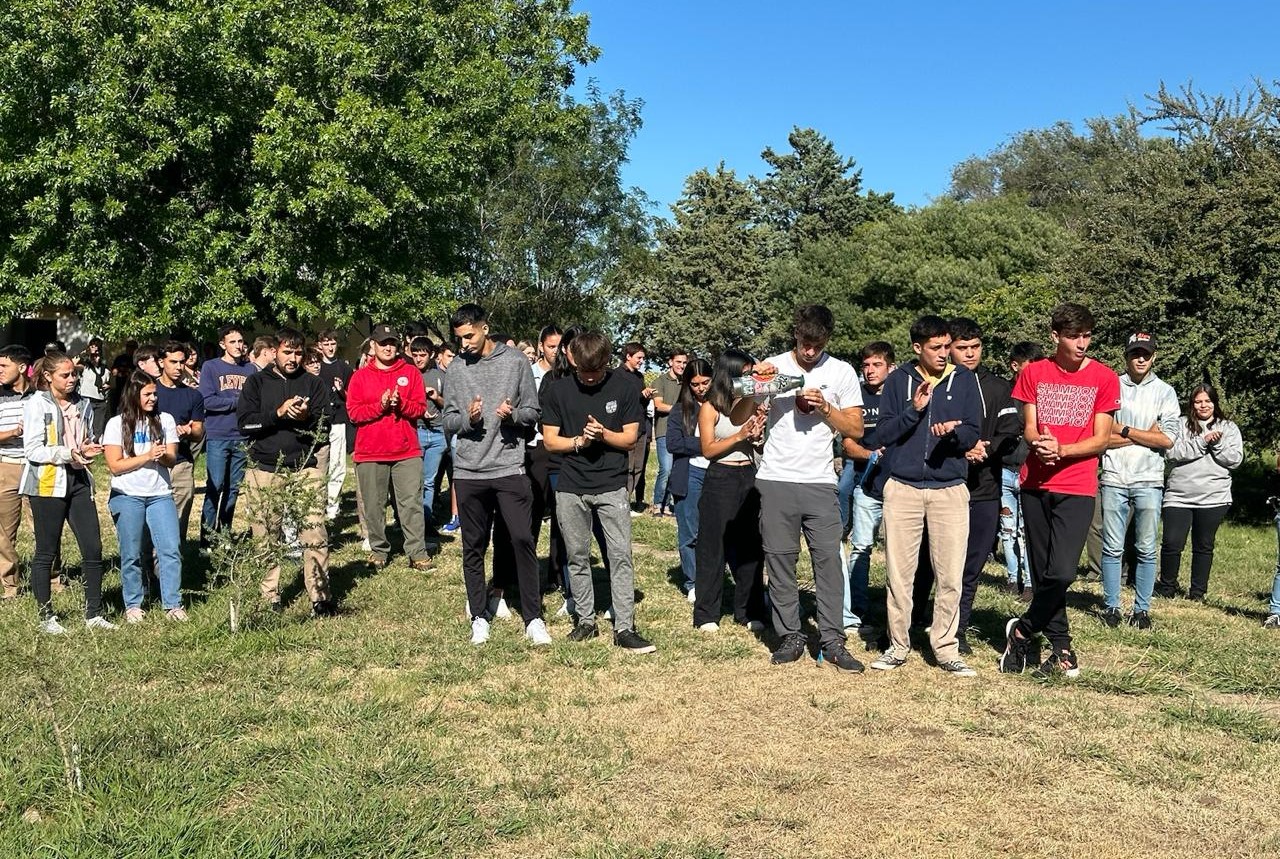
844,492
1275,584
866,514
224,461
687,525
1118,502
664,471
1013,530
158,515
433,445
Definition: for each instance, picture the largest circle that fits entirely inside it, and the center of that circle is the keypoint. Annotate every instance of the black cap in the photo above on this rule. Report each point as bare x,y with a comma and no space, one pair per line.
382,333
1141,340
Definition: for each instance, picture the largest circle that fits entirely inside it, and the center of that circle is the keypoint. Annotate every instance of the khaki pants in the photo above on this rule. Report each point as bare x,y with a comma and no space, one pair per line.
907,510
183,476
313,536
10,516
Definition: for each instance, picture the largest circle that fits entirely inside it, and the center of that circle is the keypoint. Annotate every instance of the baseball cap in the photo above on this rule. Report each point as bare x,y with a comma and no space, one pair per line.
1140,340
382,333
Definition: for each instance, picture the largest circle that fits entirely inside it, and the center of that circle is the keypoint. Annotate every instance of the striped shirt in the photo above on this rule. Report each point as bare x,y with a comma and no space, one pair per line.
11,403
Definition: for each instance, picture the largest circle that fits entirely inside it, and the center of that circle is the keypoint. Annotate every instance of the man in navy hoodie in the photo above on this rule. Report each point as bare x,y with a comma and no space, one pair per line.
220,382
930,417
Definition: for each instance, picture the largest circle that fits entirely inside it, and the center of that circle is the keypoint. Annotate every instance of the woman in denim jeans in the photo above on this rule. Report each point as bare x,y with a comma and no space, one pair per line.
688,466
141,445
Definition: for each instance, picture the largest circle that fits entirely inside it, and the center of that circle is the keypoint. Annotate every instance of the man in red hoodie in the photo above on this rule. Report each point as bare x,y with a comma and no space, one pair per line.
385,398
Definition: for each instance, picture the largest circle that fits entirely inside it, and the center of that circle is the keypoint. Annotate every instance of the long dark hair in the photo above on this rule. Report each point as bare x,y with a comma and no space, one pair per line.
562,367
688,402
729,366
131,413
1193,423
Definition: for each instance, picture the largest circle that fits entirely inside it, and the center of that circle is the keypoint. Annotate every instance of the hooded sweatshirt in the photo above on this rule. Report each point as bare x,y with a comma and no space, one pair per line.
917,457
1141,404
277,443
386,435
492,448
1002,427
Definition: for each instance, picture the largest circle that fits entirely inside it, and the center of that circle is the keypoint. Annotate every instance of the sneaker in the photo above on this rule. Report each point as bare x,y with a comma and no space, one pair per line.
453,526
537,633
324,608
365,545
99,622
134,615
1064,662
791,648
1166,591
1013,588
692,596
1027,594
755,626
479,631
841,659
633,642
957,668
498,608
1272,622
963,645
888,661
421,564
566,609
179,614
1140,619
378,562
1014,658
583,631
1110,617
51,626
275,607
293,553
709,626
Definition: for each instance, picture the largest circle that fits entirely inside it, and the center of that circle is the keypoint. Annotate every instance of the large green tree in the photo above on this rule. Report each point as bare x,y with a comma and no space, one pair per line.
185,162
703,289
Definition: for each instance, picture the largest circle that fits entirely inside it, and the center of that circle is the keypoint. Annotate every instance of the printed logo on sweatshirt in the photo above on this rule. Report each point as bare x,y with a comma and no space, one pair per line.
231,382
1065,405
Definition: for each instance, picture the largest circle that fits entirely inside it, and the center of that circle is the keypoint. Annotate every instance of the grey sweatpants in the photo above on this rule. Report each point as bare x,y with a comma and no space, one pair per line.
573,512
786,511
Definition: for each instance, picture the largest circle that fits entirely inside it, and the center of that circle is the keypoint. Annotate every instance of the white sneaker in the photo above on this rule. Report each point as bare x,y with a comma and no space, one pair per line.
364,545
755,626
537,633
479,631
709,626
692,596
608,614
566,609
51,626
135,615
498,608
99,622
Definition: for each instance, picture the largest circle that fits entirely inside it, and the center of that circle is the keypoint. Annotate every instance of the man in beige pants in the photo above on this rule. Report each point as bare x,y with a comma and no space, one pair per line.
930,416
14,390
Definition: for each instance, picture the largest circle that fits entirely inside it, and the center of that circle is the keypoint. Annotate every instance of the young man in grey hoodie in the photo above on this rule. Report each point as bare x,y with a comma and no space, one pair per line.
490,405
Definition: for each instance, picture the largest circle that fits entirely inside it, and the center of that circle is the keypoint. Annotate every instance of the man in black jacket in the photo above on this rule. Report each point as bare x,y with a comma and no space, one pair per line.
281,411
1001,429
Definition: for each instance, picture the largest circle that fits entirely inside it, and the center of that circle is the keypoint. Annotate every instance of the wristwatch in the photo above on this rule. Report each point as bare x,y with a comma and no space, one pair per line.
1124,431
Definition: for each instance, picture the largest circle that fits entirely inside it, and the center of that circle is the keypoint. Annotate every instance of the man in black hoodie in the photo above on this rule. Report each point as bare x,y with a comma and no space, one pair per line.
930,417
281,411
1001,430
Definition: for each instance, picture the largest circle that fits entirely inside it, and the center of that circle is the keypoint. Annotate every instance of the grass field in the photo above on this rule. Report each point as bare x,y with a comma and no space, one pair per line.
384,733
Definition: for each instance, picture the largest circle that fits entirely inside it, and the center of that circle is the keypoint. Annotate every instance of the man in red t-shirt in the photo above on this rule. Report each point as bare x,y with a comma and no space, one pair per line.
1069,401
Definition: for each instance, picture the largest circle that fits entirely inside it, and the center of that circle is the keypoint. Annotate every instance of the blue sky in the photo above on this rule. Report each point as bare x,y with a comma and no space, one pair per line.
906,89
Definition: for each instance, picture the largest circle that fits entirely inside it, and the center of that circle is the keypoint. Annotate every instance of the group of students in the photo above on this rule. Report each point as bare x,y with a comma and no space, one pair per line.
939,453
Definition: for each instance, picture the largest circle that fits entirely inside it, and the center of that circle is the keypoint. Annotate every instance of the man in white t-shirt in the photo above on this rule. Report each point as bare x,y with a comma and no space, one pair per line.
797,485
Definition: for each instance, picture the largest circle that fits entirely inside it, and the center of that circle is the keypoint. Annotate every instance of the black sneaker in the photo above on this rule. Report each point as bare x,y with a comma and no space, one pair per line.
963,644
583,631
633,642
1064,662
841,659
1166,591
958,668
324,608
791,648
888,661
276,607
1140,619
1014,658
1111,617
